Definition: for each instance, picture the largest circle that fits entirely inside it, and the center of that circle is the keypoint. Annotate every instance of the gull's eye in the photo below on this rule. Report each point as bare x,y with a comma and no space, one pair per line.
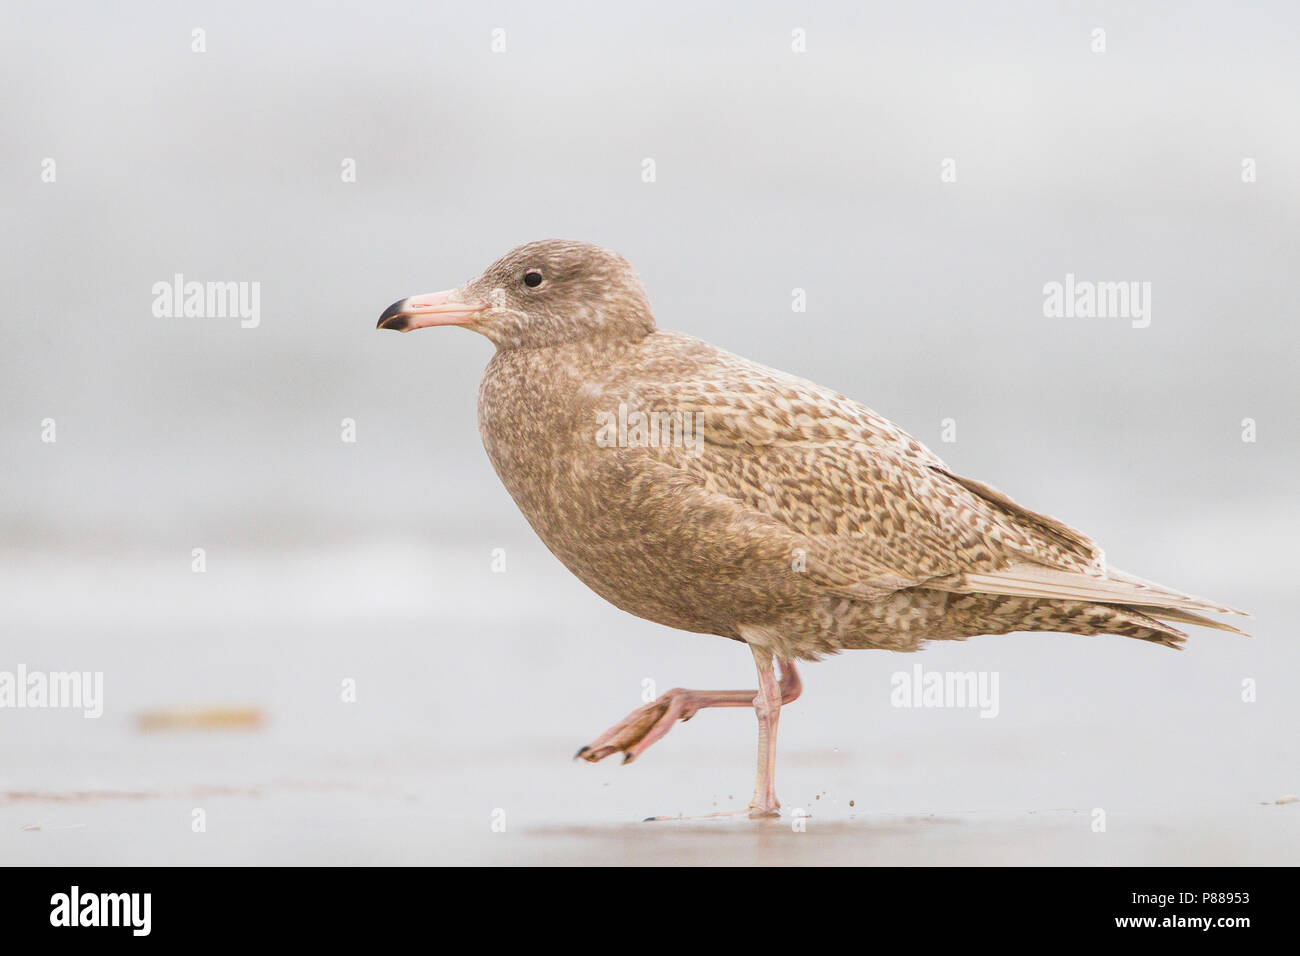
532,278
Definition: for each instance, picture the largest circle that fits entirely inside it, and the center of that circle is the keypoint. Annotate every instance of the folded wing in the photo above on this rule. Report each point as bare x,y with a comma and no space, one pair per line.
874,510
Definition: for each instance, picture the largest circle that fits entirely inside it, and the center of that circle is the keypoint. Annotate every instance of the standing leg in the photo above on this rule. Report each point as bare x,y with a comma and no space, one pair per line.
767,705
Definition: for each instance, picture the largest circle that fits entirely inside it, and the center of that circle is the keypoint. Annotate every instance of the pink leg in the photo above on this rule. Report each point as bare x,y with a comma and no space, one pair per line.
767,705
634,734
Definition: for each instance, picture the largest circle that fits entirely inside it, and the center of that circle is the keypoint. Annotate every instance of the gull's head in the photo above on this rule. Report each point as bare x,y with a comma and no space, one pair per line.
544,293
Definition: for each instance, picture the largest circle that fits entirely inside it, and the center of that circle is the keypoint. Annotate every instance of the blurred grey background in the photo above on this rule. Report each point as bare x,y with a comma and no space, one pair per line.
775,170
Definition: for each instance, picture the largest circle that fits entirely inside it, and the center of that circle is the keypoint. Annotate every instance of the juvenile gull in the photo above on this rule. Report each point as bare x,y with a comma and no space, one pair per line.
702,491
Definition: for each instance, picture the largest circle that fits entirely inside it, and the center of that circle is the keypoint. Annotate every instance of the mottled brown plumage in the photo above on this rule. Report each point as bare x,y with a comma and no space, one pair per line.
799,522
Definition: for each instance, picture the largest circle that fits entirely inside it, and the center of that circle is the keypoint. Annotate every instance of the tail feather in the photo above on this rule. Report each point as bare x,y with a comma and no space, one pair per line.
1123,621
1187,617
1187,600
1117,587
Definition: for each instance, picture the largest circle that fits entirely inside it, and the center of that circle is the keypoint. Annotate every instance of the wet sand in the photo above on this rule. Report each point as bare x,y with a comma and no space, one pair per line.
474,689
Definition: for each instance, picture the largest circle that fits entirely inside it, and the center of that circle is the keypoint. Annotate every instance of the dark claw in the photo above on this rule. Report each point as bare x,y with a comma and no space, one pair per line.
581,751
628,758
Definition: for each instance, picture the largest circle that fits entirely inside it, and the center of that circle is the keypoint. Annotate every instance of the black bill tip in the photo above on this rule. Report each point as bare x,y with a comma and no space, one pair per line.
393,317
